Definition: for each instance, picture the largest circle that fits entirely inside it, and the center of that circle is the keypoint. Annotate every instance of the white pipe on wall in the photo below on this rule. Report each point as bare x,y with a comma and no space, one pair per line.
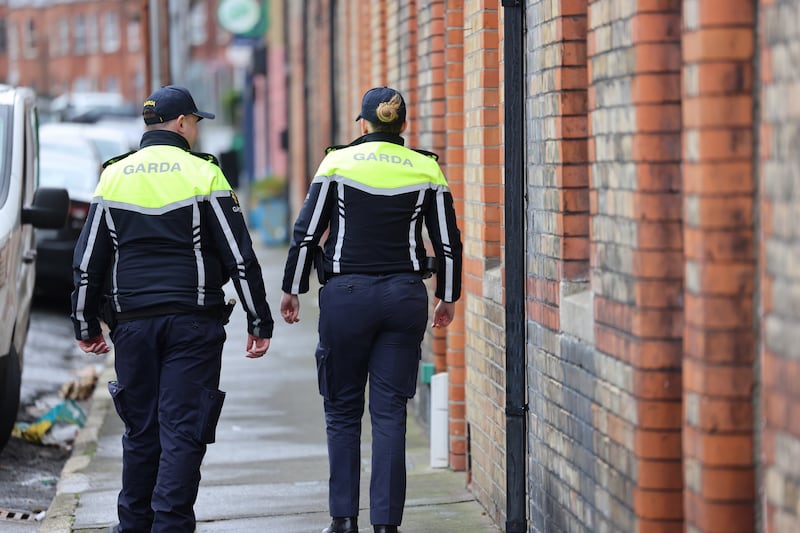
439,439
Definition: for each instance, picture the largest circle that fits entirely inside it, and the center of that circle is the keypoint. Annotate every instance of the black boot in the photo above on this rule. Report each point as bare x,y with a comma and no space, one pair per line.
384,529
343,524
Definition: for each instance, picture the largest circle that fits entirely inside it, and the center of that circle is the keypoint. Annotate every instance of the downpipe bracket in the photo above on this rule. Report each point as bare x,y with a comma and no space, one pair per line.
516,410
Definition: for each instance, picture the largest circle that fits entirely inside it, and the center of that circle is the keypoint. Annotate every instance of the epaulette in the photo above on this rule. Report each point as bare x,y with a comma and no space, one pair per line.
208,157
117,158
432,155
335,147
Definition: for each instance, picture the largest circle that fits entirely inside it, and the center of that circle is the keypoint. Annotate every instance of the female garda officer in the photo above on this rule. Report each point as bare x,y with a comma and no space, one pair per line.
373,196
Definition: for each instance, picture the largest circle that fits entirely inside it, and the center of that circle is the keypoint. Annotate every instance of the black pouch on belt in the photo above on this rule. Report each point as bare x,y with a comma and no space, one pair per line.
107,312
319,264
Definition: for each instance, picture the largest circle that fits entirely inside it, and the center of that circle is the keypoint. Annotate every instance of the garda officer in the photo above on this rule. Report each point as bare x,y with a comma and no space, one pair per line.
373,196
164,234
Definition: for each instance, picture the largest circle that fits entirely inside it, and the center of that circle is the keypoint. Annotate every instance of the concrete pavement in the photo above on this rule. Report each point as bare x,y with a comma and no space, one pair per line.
268,470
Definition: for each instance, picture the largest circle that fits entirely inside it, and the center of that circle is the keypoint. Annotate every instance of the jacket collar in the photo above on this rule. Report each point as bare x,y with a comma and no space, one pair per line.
163,137
379,136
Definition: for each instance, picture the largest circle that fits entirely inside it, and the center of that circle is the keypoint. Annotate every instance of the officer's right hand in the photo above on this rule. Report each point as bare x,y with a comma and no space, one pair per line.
96,345
256,347
290,308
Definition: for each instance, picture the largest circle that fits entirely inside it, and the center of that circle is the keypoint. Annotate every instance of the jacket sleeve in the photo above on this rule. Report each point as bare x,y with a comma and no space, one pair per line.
90,263
440,221
311,223
233,243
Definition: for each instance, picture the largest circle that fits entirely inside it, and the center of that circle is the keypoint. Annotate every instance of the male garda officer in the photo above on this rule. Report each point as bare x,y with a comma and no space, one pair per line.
373,196
164,234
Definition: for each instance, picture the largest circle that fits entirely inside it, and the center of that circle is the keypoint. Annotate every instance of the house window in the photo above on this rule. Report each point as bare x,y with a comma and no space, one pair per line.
134,34
91,33
30,38
111,40
80,34
198,23
62,42
83,84
13,41
112,84
3,37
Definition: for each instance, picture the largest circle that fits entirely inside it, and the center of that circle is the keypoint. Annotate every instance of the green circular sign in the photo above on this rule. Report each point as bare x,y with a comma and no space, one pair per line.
239,16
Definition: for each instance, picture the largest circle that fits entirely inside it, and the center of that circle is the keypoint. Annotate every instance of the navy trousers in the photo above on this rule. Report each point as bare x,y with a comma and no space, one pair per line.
166,393
370,329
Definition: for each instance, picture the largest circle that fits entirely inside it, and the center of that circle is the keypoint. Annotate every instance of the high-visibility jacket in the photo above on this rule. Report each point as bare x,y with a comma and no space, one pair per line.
164,233
375,196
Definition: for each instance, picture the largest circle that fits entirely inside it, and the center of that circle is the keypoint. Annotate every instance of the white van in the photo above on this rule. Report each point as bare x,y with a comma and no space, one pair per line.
23,207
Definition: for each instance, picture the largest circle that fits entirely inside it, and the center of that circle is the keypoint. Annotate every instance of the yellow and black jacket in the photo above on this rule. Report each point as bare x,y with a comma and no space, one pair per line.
375,196
165,232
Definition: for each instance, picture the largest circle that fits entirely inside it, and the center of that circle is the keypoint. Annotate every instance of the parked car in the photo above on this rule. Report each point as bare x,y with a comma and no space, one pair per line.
107,141
91,106
54,139
54,247
23,207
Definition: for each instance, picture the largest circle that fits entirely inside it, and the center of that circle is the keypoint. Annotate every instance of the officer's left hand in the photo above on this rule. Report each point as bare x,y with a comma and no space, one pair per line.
256,347
443,314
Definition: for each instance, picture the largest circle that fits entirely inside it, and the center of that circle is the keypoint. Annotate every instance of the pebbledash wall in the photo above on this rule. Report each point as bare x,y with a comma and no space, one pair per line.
662,252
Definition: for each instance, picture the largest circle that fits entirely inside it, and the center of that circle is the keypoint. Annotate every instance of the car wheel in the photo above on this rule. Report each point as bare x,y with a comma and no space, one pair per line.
10,378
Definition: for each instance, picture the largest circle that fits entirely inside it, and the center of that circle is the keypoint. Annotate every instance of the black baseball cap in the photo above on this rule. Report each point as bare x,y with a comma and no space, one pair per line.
170,102
383,105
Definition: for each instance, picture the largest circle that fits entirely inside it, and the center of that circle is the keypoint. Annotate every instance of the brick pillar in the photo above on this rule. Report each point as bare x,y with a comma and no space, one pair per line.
376,37
718,377
637,262
454,169
298,169
779,282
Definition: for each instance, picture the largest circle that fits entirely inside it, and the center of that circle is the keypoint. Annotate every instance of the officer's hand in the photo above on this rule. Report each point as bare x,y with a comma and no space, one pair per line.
256,347
96,345
443,314
290,308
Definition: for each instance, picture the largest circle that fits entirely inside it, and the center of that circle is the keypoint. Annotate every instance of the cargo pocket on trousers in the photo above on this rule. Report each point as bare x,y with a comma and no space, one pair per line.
210,409
324,371
118,397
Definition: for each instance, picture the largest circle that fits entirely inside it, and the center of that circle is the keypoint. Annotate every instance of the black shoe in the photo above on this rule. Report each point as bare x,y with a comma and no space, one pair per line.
384,529
346,524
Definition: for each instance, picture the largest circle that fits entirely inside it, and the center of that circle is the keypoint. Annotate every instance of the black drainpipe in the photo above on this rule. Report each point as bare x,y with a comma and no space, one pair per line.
333,69
515,195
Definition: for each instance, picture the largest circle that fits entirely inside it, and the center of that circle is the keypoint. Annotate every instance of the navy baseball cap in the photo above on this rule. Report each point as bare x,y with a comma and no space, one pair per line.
383,105
170,102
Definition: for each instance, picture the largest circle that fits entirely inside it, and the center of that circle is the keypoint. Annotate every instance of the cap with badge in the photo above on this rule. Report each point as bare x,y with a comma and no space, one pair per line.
170,102
383,105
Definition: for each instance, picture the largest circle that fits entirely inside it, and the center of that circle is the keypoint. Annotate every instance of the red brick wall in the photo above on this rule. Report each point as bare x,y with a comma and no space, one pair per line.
647,301
779,302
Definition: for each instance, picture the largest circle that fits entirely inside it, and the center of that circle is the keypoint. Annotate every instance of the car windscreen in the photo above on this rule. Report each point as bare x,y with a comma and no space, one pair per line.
6,137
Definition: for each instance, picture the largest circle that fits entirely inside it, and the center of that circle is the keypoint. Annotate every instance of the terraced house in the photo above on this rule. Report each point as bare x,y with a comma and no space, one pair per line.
626,357
63,46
